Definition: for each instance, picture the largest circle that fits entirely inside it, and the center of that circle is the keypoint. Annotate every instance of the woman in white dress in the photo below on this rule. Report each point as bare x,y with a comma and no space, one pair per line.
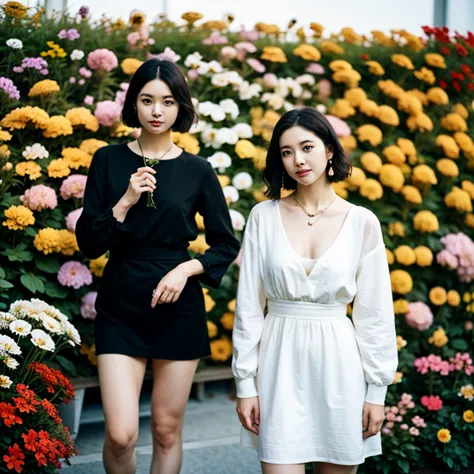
311,383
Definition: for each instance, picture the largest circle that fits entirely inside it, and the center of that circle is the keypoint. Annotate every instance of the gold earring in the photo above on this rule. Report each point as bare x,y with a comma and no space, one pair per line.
283,180
331,171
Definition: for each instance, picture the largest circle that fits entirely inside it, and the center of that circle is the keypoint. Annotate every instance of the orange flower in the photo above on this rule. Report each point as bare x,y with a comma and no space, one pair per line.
14,458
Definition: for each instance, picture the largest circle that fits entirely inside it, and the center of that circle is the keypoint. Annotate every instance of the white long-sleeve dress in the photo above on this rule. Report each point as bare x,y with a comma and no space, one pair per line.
294,347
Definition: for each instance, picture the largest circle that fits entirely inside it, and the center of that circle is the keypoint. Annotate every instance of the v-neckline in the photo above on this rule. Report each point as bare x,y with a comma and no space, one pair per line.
299,257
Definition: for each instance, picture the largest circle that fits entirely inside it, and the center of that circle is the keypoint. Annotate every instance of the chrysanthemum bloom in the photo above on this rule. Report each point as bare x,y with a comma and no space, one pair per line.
423,174
91,145
435,60
447,167
330,47
221,350
273,54
191,17
392,177
390,89
369,133
402,61
388,115
45,87
75,158
47,241
454,123
245,149
102,60
28,168
468,186
72,218
58,168
444,435
439,338
342,109
73,186
437,96
458,199
355,96
357,178
19,118
419,316
40,197
405,255
371,162
211,329
394,155
18,218
411,194
396,228
74,274
401,281
449,145
420,122
42,340
371,189
80,116
400,306
468,416
87,306
108,113
56,126
307,52
67,242
425,221
424,256
130,65
410,104
375,68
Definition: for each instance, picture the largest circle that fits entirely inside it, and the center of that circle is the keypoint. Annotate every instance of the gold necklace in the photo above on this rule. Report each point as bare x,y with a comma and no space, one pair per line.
317,213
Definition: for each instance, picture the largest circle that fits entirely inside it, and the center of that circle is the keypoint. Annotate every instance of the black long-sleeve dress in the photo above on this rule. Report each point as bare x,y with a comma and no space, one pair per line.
149,244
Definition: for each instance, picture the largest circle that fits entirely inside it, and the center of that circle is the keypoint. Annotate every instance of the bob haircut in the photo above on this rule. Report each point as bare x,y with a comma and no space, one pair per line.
168,72
274,174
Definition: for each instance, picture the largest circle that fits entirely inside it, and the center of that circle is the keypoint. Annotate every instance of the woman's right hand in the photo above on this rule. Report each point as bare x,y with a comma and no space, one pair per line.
248,410
140,182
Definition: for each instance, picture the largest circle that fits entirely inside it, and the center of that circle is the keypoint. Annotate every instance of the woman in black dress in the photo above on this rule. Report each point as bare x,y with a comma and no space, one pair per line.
140,204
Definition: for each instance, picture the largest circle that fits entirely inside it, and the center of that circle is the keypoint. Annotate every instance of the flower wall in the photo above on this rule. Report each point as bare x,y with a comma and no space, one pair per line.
401,104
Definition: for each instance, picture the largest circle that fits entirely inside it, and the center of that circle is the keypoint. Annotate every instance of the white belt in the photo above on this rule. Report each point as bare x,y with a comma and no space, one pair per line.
306,310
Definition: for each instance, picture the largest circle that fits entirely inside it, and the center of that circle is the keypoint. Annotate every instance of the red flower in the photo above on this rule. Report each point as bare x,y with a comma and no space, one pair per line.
365,57
445,50
470,39
53,379
465,69
461,50
52,411
457,76
30,440
443,84
433,403
27,394
427,30
457,86
23,405
470,86
7,412
14,458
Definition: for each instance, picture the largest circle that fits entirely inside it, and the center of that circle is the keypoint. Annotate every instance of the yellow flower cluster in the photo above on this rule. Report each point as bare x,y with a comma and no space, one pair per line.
401,281
15,10
18,217
371,189
342,109
97,265
401,343
28,168
245,149
439,338
396,228
392,177
80,116
218,25
402,61
273,54
468,416
54,51
350,36
227,321
91,145
371,162
438,96
405,255
221,350
187,142
75,158
343,72
444,435
122,130
58,168
369,133
50,240
454,298
375,68
390,89
329,47
19,118
400,306
411,194
454,123
317,28
56,126
267,28
130,65
447,167
191,17
44,87
435,60
425,221
308,52
425,75
424,256
379,37
423,174
260,157
458,199
5,136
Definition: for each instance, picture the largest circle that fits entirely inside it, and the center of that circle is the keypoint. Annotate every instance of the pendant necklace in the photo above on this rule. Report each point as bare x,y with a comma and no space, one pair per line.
312,215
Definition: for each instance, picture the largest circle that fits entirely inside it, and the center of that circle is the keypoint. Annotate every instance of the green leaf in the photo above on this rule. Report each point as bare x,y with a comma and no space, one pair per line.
25,256
2,273
460,344
30,232
33,283
67,365
55,291
404,465
5,284
48,264
54,224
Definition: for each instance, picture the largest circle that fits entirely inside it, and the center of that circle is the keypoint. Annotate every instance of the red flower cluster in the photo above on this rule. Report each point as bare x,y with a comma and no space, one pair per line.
53,379
7,413
432,402
27,402
52,411
441,34
14,458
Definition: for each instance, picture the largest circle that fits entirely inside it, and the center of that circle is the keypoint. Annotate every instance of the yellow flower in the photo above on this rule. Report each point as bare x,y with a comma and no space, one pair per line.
317,28
267,28
245,149
67,242
438,296
371,189
57,125
330,47
47,241
437,96
369,133
15,10
137,19
420,122
350,36
223,180
390,89
97,265
357,177
449,146
28,168
130,65
350,77
394,155
342,108
355,96
4,151
260,158
454,298
401,281
468,416
435,60
444,435
273,54
375,68
191,17
340,188
199,245
411,194
464,141
5,136
421,96
407,146
458,199
349,144
308,52
447,167
454,123
467,391
396,228
227,321
426,75
402,61
439,338
369,108
18,217
214,25
400,306
75,158
211,329
82,116
379,37
45,87
466,297
121,130
187,142
468,186
91,145
401,343
390,257
424,174
398,377
58,168
388,115
405,255
425,221
209,303
410,104
461,110
424,256
19,118
469,220
392,176
371,162
221,350
340,65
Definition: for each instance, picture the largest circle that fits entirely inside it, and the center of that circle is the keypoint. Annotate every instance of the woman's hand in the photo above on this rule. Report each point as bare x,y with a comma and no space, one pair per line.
372,419
248,410
140,182
170,286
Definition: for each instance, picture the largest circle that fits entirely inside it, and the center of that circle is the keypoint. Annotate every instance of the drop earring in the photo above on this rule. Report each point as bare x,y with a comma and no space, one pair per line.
331,171
283,180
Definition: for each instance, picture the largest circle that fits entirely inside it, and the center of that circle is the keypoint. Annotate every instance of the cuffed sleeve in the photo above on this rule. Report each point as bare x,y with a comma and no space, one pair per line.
374,320
97,230
224,247
249,315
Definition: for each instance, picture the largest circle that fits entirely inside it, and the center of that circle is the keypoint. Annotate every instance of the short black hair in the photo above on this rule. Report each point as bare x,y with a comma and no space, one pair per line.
274,174
168,72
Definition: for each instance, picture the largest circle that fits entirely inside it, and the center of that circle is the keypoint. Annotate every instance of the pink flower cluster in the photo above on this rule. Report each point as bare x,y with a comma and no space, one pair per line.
215,38
140,38
248,35
39,64
460,362
108,112
121,94
458,255
167,55
72,218
395,414
88,305
7,86
256,65
39,197
73,186
432,402
315,68
340,127
102,60
419,316
74,274
71,34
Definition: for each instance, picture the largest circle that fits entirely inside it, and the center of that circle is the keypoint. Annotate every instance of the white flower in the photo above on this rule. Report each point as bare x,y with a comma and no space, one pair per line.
5,381
243,130
220,160
306,79
193,61
203,68
227,135
215,67
42,340
217,113
220,80
34,152
10,362
287,106
209,138
238,220
282,87
205,108
200,126
231,194
306,94
248,91
275,101
6,319
296,89
7,344
51,324
321,108
15,43
242,180
235,78
72,333
230,108
77,55
20,327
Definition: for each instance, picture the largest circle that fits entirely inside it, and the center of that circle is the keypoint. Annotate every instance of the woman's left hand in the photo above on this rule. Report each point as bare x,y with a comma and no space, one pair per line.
372,419
170,287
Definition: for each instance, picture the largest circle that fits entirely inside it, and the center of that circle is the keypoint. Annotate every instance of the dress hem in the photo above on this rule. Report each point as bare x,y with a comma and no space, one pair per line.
147,356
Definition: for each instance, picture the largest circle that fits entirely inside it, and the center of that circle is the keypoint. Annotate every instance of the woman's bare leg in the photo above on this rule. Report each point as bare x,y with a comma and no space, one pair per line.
282,468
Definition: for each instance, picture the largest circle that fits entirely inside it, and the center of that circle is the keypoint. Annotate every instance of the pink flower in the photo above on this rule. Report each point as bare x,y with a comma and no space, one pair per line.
418,422
72,80
390,424
324,88
414,431
88,305
133,38
315,68
246,46
390,416
215,38
167,55
73,186
83,71
447,259
386,431
88,100
108,112
340,127
404,427
270,80
72,218
432,402
74,274
248,35
394,410
403,411
419,316
399,419
82,82
40,197
256,65
193,74
102,60
228,52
